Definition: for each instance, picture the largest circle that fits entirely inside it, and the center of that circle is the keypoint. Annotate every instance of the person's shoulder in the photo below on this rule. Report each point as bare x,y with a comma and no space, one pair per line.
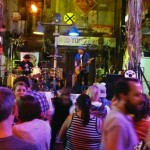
115,118
77,55
87,54
23,145
44,124
70,117
30,63
36,94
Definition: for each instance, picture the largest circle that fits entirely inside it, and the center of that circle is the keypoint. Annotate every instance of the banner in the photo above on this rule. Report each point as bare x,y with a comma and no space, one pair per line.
83,41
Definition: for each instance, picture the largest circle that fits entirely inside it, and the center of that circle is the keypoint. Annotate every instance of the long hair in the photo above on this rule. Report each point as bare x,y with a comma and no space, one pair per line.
84,104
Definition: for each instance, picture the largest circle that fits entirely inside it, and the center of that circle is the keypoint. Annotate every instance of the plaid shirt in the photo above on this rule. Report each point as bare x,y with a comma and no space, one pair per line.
42,100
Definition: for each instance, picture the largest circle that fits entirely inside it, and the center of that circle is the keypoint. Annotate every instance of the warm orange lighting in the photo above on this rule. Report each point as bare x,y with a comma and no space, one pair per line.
34,8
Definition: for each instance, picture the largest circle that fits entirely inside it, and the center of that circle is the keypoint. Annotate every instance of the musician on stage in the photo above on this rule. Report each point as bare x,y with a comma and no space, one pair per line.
25,66
82,66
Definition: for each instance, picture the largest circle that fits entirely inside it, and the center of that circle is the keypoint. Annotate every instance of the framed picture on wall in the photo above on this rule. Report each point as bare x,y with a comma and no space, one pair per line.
34,57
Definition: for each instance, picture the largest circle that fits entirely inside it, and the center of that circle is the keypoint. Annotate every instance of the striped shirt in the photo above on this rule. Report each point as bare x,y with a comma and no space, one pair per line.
80,137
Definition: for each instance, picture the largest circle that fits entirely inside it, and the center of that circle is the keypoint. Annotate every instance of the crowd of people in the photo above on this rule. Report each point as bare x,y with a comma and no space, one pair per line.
91,123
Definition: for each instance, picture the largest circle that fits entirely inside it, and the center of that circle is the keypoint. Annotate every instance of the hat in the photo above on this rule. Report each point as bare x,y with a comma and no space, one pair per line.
27,56
81,47
102,89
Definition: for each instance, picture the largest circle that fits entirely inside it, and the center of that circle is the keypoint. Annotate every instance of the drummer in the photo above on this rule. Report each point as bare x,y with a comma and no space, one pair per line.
25,66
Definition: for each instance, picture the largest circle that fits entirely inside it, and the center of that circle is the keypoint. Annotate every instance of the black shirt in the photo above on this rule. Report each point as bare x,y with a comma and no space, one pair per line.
61,111
26,67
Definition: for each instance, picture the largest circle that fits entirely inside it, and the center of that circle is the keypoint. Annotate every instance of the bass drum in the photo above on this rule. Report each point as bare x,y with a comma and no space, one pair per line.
10,80
36,73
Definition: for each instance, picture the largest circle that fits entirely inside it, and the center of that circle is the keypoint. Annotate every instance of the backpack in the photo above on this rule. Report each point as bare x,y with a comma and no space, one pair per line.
99,111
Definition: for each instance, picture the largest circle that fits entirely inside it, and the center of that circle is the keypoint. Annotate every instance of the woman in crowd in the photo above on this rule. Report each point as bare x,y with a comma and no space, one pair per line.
82,129
61,105
103,93
97,106
20,89
31,128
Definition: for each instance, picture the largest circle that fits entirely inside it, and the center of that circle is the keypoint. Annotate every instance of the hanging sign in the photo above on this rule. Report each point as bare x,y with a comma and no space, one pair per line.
69,18
78,41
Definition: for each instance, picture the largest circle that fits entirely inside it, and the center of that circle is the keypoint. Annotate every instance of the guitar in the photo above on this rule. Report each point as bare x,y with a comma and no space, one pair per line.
80,67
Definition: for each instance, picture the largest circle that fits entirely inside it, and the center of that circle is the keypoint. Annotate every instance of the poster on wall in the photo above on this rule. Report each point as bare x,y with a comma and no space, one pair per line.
34,57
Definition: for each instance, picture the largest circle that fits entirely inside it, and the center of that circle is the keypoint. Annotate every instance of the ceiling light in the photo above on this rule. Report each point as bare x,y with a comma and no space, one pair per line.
73,31
39,29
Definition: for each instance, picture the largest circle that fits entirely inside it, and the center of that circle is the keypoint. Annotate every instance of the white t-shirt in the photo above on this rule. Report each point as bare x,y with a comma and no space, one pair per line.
36,131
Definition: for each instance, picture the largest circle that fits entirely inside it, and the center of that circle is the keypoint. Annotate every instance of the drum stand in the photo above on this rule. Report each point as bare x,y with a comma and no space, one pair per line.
55,56
10,62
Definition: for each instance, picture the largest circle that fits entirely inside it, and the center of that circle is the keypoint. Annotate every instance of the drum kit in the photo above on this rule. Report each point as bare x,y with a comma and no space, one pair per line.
42,77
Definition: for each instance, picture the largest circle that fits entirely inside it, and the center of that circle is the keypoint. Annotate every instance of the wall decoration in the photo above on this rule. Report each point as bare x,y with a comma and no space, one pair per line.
85,5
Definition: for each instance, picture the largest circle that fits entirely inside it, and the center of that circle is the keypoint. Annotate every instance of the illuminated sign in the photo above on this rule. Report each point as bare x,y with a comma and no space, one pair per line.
103,29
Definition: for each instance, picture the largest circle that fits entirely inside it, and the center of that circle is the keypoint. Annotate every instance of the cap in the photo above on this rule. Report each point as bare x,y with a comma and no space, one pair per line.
27,56
81,47
102,89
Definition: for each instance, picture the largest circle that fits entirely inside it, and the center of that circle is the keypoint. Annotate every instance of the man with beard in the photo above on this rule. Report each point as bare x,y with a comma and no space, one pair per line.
118,130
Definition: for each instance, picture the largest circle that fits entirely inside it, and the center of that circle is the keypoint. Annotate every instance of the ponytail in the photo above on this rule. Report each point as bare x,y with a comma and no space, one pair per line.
85,116
84,103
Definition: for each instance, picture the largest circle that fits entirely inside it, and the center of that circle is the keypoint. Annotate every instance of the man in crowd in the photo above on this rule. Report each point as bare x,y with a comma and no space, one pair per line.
118,131
82,66
7,112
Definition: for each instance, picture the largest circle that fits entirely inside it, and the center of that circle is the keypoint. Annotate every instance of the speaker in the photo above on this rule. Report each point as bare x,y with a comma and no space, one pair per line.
110,84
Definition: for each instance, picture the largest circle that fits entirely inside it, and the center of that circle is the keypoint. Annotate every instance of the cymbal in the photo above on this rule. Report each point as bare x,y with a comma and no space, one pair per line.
56,69
46,65
57,56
